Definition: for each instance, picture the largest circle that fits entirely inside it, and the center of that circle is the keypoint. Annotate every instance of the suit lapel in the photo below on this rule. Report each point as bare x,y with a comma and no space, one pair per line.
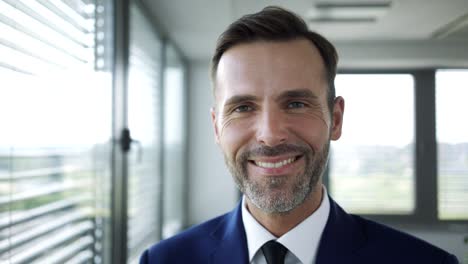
232,240
342,237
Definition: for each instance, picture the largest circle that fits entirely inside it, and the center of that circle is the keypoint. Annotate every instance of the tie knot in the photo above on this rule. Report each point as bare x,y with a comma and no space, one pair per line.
274,252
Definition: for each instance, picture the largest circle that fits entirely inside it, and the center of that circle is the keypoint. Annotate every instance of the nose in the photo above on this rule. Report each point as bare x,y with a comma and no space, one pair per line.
271,129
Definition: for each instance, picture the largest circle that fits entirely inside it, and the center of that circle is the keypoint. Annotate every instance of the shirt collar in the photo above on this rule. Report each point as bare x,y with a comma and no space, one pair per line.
302,241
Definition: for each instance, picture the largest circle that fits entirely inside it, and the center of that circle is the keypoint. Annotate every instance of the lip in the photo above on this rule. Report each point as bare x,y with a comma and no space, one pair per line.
286,169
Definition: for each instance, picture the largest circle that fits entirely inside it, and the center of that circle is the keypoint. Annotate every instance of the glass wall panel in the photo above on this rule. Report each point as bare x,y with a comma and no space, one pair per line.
144,119
452,143
371,168
175,120
55,114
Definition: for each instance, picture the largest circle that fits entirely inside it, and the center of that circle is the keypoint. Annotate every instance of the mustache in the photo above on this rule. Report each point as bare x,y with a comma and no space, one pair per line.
274,151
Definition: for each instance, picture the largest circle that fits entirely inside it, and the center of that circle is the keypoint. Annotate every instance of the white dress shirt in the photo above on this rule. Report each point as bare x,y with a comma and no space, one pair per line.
302,241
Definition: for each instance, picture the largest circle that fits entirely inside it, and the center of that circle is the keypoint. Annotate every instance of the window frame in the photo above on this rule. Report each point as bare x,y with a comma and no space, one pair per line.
120,164
425,153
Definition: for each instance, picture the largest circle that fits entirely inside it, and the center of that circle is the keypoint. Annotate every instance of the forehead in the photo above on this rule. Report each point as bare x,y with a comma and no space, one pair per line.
263,68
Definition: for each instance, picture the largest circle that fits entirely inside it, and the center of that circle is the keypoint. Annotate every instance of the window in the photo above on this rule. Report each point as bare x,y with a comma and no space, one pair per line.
372,163
63,101
145,122
403,153
452,143
175,127
55,111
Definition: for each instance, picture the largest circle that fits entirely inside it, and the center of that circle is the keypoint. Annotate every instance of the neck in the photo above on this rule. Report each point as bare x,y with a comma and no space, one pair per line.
280,223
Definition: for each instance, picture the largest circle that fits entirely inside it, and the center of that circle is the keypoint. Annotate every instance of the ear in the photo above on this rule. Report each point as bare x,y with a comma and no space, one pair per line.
338,112
215,124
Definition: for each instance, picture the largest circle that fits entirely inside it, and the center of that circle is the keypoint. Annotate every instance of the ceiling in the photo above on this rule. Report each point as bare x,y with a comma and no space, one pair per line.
195,25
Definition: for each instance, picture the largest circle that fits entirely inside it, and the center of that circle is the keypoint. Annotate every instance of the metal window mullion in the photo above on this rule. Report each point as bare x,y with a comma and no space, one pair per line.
426,149
160,209
185,148
120,122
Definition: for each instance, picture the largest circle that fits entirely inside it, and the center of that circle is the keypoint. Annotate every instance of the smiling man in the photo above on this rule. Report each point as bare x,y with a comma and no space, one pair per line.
275,114
274,126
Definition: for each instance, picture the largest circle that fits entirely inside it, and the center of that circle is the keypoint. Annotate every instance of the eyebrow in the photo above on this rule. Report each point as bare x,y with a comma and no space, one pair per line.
239,99
291,94
299,93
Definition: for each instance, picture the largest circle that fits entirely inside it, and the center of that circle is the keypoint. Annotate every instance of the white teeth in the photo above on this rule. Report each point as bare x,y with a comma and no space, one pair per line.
270,165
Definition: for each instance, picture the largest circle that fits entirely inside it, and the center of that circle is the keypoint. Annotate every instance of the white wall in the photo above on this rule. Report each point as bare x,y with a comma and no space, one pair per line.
211,189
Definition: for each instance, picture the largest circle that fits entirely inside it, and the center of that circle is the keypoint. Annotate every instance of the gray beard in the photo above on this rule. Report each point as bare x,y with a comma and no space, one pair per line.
273,195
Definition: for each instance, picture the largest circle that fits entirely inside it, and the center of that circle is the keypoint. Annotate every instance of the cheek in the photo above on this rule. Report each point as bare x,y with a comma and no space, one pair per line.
234,134
314,132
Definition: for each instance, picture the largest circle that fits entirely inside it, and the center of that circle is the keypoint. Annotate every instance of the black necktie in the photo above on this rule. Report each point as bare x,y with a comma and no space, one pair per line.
274,252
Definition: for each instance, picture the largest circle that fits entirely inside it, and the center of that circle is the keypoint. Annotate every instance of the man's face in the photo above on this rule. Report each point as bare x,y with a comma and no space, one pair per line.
272,121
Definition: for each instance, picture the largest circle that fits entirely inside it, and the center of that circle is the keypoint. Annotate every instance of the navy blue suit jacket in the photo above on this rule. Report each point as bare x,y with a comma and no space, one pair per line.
346,239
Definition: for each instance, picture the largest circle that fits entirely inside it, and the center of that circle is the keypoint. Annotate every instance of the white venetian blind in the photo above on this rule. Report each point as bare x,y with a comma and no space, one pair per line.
56,120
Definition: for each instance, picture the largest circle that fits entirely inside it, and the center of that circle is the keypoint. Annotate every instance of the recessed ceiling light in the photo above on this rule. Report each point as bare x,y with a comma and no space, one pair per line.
342,20
352,4
346,11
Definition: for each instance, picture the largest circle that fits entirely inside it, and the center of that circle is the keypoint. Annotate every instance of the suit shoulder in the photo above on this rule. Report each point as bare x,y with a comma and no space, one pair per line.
196,232
191,244
381,237
379,232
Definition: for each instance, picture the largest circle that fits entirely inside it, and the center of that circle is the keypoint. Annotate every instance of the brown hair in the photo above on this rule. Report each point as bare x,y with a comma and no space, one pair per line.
276,24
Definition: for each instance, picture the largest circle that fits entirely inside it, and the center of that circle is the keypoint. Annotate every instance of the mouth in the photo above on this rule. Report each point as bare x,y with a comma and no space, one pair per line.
274,163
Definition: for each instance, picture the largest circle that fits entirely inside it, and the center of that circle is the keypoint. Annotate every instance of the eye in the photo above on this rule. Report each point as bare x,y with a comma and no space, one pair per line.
243,108
296,105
